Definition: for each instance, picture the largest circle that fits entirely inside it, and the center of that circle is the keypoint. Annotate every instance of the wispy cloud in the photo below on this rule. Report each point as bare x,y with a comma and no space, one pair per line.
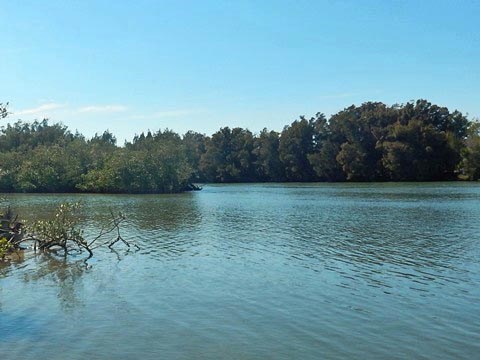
48,108
39,110
102,109
58,110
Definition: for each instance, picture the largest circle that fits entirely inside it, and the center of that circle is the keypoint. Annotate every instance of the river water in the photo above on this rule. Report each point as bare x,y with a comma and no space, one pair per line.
258,271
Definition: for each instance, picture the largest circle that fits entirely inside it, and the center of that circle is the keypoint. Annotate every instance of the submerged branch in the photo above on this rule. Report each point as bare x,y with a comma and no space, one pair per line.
59,235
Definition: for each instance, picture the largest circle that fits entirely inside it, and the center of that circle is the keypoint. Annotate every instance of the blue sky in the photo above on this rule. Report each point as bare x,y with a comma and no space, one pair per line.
129,66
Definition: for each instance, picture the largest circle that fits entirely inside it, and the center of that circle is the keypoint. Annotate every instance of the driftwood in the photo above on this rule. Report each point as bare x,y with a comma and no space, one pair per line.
59,235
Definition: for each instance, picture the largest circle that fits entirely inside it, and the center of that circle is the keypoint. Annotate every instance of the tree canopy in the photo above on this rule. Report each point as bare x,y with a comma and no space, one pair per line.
416,141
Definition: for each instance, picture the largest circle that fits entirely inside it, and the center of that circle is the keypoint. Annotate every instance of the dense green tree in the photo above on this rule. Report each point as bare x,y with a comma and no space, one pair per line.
416,152
157,168
425,143
194,149
268,166
9,167
296,144
152,163
323,158
438,117
43,171
99,149
359,130
22,136
417,141
324,162
470,166
228,156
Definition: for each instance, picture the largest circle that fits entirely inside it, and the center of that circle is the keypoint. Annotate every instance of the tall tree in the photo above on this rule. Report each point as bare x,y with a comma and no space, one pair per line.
425,143
324,157
296,143
229,156
194,148
359,130
268,166
470,166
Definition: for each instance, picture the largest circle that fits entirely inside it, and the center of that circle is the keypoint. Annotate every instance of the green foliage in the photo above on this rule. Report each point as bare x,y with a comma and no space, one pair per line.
267,164
60,234
194,144
470,165
23,137
228,156
296,143
417,141
59,230
5,247
324,162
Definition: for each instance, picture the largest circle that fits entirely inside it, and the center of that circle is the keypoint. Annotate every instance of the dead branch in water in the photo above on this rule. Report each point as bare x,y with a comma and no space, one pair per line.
113,226
60,234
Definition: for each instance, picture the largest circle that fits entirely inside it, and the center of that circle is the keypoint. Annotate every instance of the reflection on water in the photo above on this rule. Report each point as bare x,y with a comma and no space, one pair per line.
172,213
62,273
258,271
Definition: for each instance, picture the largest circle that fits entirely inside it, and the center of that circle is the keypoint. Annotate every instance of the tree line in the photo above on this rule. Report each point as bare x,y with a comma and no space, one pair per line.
416,141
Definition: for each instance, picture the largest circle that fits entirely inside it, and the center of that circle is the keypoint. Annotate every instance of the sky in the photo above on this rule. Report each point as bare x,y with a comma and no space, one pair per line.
132,66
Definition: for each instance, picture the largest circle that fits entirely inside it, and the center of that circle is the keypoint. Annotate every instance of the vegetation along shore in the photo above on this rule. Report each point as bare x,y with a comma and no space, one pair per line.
416,141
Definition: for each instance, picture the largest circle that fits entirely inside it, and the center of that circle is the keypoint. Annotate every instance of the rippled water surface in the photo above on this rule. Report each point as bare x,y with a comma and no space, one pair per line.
339,271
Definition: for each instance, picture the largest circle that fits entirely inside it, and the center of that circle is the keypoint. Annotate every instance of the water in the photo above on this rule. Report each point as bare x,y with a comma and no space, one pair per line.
336,271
